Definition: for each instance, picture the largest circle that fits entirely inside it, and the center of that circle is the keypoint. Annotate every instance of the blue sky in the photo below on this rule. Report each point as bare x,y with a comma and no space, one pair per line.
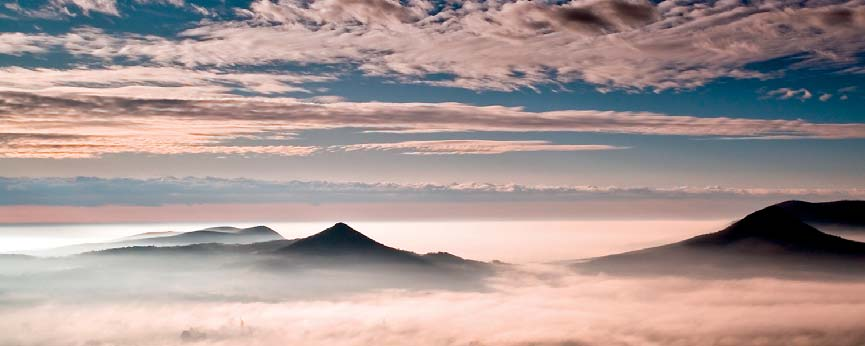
625,93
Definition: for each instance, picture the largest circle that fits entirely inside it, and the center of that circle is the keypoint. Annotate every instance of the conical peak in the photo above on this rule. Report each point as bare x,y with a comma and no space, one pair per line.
340,228
341,225
340,234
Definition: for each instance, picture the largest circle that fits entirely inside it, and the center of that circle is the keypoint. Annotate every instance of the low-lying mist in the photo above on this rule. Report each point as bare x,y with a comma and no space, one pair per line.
519,305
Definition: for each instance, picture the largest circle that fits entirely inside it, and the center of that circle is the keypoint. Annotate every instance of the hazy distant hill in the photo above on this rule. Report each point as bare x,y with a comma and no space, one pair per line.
339,244
334,261
225,235
219,235
146,235
771,241
265,247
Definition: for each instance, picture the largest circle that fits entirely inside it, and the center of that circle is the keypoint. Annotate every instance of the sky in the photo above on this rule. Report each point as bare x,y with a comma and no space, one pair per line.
187,110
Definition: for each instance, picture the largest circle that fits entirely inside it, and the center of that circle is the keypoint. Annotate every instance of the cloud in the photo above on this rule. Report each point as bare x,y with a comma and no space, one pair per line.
825,97
471,147
90,126
801,94
634,45
108,7
108,134
151,82
87,191
16,43
62,9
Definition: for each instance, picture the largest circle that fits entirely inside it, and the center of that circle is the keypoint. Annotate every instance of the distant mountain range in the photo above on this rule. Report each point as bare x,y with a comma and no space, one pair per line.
778,240
774,241
216,235
337,245
220,261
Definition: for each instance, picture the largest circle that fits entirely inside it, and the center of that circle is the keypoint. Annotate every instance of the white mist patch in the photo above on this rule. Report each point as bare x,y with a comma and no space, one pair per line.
526,306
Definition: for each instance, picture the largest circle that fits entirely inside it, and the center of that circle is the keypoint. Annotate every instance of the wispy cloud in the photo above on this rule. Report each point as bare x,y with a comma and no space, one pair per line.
801,94
151,82
87,126
471,147
92,126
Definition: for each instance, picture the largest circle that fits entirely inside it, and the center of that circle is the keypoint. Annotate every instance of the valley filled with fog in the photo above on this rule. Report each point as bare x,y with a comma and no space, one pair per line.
743,285
524,305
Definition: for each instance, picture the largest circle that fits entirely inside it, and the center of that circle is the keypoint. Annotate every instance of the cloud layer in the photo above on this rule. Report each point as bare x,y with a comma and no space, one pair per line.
86,191
471,147
83,126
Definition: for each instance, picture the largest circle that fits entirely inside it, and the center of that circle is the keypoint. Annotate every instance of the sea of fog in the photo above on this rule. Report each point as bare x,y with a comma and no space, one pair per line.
529,305
510,241
208,300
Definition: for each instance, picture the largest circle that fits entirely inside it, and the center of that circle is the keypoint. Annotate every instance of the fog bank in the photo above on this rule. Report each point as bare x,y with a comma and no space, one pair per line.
538,305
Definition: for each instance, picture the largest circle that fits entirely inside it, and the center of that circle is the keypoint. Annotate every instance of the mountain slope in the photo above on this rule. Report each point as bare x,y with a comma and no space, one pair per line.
840,214
770,242
773,229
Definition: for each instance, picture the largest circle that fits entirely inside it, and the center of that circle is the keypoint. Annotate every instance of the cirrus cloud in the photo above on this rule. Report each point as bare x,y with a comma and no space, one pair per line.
472,147
81,126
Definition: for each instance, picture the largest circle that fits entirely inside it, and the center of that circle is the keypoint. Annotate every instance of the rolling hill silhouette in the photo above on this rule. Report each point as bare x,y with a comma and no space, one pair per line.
771,241
334,262
218,235
224,235
338,259
339,244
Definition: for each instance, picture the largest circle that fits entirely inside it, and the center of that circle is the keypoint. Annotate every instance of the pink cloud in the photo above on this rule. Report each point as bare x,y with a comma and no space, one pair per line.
471,147
89,126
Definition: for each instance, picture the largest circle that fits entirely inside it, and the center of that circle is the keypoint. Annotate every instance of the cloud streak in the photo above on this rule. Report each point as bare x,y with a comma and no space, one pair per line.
151,82
471,147
801,94
83,126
